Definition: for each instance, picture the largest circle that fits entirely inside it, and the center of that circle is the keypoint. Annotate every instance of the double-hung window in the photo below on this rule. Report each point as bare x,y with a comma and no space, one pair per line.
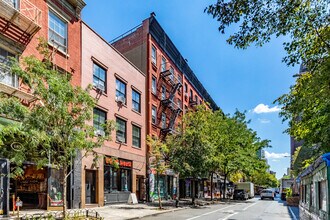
154,115
136,136
99,77
154,55
120,91
163,65
163,120
154,85
121,130
172,73
57,32
99,119
6,76
136,101
163,92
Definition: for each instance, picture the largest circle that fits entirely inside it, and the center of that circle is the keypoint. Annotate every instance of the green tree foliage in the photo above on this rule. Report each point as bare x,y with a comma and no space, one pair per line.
190,149
306,24
264,179
157,157
52,129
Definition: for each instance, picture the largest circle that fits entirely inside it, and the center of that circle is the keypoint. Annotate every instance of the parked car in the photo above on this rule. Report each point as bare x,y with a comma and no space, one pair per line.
267,193
240,194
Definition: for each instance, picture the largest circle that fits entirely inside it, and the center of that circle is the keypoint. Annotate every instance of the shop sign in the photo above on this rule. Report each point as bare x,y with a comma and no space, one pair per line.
19,203
122,163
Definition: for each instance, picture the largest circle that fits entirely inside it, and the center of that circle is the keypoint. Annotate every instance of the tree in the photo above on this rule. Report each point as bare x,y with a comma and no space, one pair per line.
306,22
52,130
190,149
236,146
158,162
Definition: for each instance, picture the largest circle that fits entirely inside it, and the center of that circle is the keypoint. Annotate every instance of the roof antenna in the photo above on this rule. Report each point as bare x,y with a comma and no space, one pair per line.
152,14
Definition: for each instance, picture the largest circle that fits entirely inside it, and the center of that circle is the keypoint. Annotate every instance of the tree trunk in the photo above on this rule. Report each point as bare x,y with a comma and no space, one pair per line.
64,190
211,186
225,187
193,192
158,192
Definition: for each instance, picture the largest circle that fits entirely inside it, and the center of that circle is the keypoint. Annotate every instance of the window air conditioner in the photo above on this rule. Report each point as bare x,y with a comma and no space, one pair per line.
100,86
121,99
99,133
120,139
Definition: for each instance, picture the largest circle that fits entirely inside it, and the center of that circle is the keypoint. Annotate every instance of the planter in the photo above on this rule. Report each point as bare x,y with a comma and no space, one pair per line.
292,201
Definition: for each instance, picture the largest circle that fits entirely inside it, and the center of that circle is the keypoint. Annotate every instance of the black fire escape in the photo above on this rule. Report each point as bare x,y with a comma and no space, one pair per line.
169,102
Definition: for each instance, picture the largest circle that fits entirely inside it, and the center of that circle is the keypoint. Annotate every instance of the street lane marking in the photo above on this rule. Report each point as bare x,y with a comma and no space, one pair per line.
292,213
228,216
198,216
249,206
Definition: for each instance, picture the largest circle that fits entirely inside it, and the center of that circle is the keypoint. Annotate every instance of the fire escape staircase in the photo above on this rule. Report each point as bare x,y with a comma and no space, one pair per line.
169,103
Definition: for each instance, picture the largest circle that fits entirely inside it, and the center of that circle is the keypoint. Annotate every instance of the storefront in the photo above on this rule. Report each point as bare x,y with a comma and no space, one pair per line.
117,179
168,183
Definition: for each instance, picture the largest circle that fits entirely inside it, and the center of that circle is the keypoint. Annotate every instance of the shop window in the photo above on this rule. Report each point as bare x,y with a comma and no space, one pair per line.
121,130
136,136
136,99
125,176
99,77
322,195
57,32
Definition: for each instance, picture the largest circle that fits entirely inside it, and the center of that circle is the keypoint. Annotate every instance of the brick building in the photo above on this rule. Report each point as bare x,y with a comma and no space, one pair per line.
119,87
22,23
172,88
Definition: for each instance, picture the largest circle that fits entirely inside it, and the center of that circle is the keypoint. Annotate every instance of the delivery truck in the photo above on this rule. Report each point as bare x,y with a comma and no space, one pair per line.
247,186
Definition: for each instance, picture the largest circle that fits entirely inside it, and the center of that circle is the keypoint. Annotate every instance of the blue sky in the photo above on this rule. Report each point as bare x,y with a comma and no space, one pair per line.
236,79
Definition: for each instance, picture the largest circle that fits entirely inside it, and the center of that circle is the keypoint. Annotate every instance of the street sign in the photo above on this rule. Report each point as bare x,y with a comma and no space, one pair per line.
19,203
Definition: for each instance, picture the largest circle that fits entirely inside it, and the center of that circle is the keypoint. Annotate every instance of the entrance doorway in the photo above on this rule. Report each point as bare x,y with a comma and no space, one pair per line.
90,186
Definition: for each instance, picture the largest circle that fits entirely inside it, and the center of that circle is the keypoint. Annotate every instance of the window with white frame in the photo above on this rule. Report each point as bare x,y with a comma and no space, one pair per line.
154,85
6,75
163,64
120,90
57,31
154,115
136,101
172,73
163,120
322,195
121,130
163,92
136,136
99,119
99,77
153,55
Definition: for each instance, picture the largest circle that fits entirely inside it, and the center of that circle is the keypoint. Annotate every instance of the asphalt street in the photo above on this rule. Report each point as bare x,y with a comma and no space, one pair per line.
254,209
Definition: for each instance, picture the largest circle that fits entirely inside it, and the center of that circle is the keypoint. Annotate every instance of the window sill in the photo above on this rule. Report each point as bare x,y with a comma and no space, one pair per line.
133,110
154,93
103,92
121,143
154,65
122,104
58,50
137,148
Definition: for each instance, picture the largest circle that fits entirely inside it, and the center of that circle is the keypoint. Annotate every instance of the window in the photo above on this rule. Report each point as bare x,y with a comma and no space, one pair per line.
99,118
120,90
172,73
153,55
196,98
163,65
191,94
6,76
117,179
154,85
179,103
136,99
322,195
99,77
57,32
185,88
121,130
200,102
163,120
185,109
163,92
136,136
154,115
